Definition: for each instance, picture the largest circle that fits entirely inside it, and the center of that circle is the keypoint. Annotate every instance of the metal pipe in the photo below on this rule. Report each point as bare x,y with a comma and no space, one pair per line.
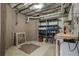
31,17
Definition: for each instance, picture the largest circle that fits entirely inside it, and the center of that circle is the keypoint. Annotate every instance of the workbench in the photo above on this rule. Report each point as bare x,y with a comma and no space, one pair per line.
59,37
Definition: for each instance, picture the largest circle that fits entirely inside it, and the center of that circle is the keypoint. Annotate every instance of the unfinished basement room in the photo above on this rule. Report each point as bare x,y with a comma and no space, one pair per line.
39,29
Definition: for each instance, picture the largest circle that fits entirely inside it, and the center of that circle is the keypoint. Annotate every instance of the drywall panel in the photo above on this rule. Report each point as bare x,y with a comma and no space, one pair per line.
9,26
21,25
36,29
33,29
12,27
3,28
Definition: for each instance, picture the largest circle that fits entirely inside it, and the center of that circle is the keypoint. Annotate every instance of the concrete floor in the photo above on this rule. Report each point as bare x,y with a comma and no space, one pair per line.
45,49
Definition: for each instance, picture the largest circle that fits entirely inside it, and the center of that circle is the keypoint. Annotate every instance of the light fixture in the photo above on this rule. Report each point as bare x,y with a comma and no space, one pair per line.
26,4
38,6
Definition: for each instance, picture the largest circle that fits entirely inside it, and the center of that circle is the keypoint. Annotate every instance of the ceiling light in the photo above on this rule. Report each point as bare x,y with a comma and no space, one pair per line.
38,6
26,4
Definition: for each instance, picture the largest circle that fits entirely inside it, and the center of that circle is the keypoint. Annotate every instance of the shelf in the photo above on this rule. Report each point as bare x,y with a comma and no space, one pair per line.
42,30
48,28
49,37
48,32
46,36
52,32
48,25
49,20
69,22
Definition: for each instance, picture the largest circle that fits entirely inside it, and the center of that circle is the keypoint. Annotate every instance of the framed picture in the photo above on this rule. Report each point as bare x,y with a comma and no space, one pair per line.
20,38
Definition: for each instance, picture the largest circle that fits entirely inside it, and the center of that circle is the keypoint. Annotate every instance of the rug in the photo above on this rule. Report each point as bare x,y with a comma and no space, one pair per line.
28,48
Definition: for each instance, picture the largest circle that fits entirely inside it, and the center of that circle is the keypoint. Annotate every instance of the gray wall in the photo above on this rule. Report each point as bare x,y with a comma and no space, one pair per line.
2,28
33,30
9,26
30,28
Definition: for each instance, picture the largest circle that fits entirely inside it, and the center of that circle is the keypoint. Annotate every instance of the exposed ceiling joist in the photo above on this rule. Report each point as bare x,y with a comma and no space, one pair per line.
45,10
17,5
28,10
42,9
50,10
26,7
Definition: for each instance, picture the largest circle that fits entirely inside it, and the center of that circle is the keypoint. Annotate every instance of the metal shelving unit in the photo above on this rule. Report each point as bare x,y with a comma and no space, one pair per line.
50,30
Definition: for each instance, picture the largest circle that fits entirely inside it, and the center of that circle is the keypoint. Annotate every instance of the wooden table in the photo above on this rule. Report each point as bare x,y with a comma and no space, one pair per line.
59,37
